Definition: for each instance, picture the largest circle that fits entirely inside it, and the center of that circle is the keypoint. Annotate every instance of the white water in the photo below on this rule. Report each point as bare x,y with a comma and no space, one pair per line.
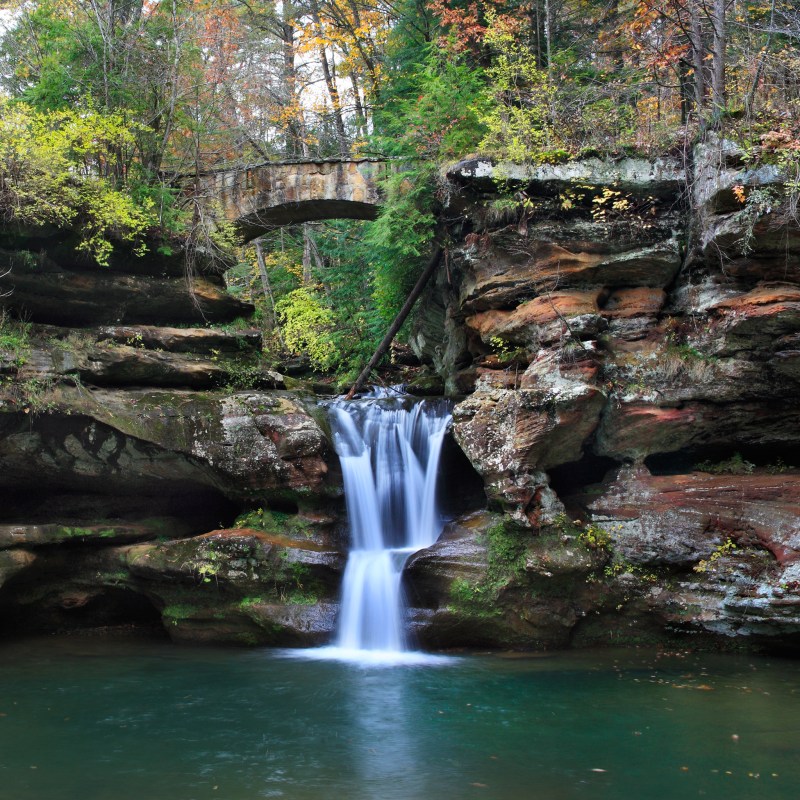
389,447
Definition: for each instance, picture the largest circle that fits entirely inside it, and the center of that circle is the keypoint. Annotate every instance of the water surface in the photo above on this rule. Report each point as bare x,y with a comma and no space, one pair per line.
95,719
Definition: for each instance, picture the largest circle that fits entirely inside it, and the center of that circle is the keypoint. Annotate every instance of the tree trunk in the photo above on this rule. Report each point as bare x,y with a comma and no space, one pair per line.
398,321
333,89
307,277
697,48
718,50
267,287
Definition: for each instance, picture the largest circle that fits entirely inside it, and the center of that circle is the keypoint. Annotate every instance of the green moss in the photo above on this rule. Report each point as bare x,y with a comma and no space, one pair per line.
275,522
67,532
114,578
175,612
250,602
14,339
506,546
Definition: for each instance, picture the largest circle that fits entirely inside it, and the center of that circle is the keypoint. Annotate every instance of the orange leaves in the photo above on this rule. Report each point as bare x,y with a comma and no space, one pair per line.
467,26
775,141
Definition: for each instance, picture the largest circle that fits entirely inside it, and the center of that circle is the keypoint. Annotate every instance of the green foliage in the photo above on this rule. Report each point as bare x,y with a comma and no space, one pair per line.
617,568
435,112
518,115
14,339
53,168
249,602
595,538
177,612
163,203
31,396
208,563
590,535
507,548
735,465
348,281
760,201
400,239
779,466
274,522
307,325
710,564
434,115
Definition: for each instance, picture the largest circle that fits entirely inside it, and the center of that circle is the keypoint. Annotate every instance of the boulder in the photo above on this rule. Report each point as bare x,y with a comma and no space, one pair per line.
541,321
256,445
504,268
677,520
105,298
14,561
241,586
511,436
105,533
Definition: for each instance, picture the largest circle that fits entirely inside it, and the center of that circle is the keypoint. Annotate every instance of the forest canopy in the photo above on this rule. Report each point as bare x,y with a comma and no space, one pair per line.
104,102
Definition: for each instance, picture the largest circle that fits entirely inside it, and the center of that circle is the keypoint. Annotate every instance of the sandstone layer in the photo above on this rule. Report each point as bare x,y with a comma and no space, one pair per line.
629,348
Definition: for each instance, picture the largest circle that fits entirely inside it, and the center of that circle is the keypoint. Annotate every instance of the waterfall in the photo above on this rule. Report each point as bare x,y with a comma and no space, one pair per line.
389,446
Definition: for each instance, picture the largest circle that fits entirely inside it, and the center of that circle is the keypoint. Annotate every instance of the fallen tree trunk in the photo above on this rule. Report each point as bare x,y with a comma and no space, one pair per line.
398,321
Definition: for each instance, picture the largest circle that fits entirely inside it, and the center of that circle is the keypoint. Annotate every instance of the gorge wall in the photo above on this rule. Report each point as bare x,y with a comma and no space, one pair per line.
140,483
627,337
623,338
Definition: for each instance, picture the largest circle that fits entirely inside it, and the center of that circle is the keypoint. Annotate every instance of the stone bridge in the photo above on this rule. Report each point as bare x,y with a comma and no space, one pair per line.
263,196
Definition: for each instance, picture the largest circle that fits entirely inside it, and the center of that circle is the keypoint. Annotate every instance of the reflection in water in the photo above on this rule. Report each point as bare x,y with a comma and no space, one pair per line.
387,751
90,720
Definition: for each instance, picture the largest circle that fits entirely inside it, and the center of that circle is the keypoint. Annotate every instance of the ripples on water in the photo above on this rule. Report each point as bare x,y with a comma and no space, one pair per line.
117,721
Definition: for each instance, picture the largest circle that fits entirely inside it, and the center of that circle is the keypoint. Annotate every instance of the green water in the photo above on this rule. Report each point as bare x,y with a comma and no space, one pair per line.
87,719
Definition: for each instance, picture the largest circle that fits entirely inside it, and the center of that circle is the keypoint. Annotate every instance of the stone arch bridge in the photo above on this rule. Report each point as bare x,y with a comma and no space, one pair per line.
260,197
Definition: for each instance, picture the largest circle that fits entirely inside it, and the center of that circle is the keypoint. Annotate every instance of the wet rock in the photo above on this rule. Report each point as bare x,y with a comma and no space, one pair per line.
507,268
541,321
641,301
251,624
242,558
631,430
753,320
678,520
488,582
460,553
131,366
241,586
14,561
512,435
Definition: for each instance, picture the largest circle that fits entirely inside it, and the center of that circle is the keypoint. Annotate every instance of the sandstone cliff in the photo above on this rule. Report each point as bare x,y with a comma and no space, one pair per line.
626,334
623,339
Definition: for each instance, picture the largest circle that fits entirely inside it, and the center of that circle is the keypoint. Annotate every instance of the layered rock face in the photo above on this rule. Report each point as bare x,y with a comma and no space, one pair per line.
624,338
139,481
627,334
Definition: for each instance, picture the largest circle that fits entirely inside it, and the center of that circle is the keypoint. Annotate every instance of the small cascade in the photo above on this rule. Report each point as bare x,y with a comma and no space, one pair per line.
389,446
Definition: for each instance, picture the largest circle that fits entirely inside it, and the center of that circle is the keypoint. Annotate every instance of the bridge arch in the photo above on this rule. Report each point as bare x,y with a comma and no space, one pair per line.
263,196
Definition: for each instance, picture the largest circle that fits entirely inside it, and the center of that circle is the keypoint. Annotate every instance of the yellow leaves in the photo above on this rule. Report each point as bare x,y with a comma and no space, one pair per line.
610,204
53,170
739,193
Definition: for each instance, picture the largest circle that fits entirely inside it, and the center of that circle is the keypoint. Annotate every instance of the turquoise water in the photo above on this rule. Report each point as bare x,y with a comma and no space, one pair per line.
91,719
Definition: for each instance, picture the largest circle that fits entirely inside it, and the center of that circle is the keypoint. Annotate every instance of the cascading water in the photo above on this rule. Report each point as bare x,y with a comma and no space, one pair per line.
389,447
